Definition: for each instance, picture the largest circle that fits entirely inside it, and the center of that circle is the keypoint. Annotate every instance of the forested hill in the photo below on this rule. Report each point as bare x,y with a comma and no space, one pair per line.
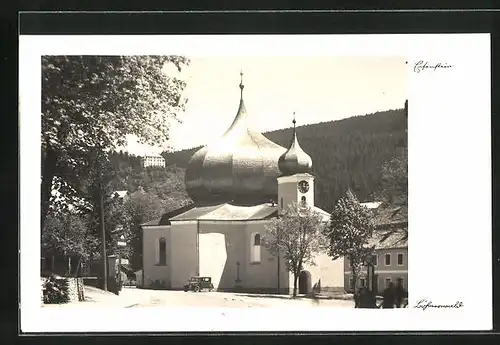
347,153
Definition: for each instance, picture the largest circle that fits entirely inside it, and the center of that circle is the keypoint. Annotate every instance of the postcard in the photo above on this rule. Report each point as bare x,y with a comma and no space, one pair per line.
225,183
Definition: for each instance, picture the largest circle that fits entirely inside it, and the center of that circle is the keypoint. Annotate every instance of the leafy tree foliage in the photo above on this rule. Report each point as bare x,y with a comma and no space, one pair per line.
90,103
394,181
297,237
140,207
349,231
67,234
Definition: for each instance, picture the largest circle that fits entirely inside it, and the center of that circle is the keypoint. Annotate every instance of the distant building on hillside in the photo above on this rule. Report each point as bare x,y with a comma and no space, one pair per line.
390,239
152,161
122,194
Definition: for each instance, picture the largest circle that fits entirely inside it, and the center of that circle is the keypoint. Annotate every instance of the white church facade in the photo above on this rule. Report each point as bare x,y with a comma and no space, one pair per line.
237,184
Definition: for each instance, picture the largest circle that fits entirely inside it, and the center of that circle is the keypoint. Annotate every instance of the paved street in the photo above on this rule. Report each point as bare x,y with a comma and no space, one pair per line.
161,298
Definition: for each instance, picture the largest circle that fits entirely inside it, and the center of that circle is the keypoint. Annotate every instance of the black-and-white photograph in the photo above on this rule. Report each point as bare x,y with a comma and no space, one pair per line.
213,183
242,182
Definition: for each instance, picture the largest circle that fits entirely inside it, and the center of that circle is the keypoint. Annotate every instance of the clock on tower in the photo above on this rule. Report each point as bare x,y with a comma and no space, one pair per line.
303,186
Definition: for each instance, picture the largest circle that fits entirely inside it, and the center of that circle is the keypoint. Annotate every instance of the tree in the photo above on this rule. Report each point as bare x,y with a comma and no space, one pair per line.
394,179
140,207
67,234
296,235
349,232
91,102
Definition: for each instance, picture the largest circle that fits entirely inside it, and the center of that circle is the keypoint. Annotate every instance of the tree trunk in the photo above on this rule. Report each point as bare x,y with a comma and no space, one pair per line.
355,281
78,265
295,281
49,161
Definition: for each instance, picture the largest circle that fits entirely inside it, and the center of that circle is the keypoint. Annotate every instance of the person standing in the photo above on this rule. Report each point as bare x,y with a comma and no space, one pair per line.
389,296
400,293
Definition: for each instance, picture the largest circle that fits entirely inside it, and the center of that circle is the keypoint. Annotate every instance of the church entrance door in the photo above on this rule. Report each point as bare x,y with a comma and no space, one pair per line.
304,282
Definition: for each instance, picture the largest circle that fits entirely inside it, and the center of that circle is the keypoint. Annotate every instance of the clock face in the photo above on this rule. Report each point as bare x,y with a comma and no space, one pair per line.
303,186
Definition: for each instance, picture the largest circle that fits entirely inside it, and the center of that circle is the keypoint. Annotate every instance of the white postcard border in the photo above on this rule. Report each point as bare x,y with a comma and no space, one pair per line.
449,184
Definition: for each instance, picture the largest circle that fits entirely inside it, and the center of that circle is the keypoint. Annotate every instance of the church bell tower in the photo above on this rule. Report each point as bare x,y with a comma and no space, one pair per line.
296,183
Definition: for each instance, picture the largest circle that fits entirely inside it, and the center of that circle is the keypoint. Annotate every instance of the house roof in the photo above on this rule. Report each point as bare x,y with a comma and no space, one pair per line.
388,216
391,225
386,239
371,205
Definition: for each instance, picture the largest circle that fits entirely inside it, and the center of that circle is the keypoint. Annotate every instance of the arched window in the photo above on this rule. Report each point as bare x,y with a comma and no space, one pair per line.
255,248
162,244
303,201
256,240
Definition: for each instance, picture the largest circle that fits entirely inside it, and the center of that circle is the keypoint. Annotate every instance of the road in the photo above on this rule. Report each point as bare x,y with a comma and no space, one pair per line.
163,298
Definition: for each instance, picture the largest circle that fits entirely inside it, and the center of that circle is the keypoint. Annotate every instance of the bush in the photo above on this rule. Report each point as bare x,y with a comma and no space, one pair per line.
55,290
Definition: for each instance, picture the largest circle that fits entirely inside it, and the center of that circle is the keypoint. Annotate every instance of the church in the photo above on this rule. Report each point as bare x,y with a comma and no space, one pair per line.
238,184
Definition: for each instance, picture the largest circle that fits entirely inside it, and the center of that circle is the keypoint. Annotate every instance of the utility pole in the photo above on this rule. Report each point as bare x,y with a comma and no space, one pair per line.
279,290
104,255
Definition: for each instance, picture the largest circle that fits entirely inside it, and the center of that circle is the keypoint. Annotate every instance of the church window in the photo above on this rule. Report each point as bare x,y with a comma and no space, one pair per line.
162,251
255,248
303,201
256,240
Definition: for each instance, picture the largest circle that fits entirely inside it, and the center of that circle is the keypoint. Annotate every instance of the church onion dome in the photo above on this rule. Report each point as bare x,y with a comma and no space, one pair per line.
294,160
241,167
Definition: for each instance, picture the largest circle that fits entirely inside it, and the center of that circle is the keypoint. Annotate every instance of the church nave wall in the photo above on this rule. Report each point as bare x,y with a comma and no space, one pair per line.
184,256
156,269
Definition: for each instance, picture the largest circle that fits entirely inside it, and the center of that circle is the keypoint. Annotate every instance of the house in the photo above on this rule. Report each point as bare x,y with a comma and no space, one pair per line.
390,239
238,184
122,194
153,161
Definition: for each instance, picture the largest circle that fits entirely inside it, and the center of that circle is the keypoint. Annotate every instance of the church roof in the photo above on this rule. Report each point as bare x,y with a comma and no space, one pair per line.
241,167
324,214
294,160
165,219
229,212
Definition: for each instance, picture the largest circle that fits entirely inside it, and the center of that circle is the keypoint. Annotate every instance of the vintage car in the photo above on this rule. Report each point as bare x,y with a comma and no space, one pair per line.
199,283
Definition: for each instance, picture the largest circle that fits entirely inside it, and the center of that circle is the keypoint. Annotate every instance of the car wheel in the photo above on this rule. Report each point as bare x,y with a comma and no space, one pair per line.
196,289
186,289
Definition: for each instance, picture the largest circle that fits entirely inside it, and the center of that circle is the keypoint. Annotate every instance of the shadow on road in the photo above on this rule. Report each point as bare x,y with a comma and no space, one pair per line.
255,295
285,297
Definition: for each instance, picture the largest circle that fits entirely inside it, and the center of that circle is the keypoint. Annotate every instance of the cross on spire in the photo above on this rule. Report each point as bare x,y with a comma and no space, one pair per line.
294,119
241,84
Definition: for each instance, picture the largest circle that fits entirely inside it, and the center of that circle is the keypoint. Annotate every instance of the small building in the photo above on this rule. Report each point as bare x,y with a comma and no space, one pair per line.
153,161
122,194
390,239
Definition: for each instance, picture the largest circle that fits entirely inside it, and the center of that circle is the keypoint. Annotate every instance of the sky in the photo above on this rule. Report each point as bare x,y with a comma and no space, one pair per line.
317,89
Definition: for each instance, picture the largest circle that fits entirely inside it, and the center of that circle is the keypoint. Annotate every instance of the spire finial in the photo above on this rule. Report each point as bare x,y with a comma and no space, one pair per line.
241,84
294,119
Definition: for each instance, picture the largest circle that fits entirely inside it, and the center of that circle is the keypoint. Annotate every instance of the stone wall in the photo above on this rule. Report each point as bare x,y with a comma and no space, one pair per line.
75,288
97,283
